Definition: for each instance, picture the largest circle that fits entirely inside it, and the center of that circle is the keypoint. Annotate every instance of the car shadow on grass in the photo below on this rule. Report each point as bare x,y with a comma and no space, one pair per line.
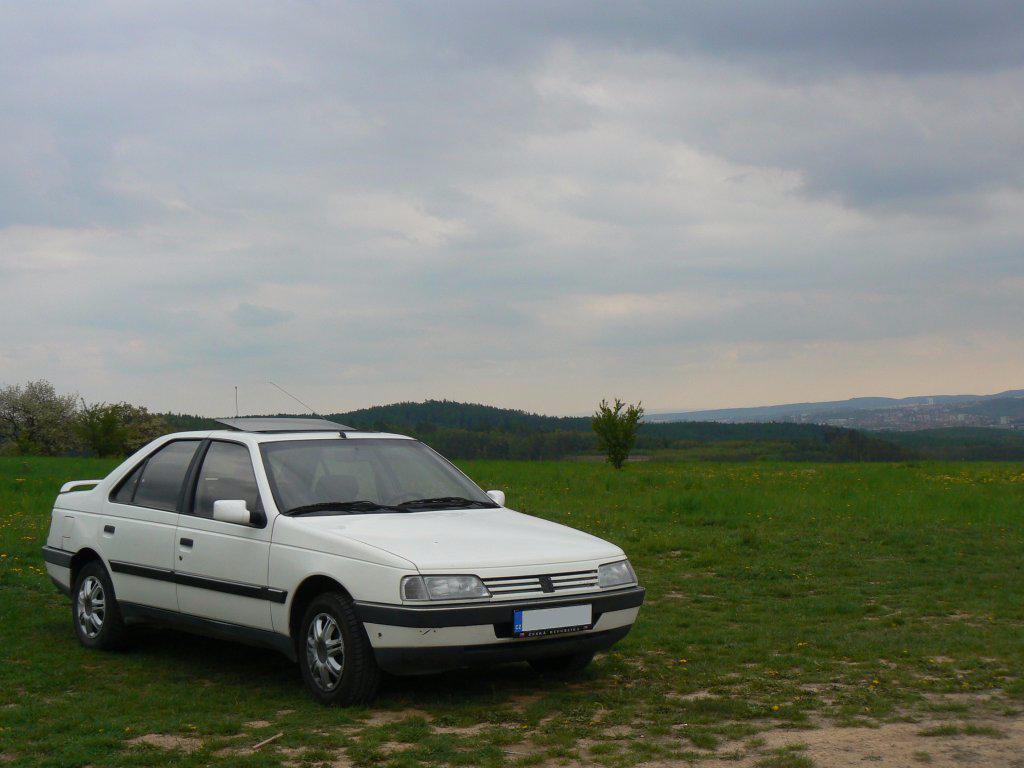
507,683
210,660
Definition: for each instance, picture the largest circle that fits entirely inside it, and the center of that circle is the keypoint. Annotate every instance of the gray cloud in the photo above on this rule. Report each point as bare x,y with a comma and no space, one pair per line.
834,35
525,203
246,314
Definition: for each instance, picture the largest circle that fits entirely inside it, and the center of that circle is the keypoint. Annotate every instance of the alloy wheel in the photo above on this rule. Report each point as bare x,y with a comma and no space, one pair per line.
92,606
325,651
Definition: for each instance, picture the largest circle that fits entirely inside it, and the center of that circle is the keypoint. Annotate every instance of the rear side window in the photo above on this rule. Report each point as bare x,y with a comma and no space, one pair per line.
226,474
126,491
163,475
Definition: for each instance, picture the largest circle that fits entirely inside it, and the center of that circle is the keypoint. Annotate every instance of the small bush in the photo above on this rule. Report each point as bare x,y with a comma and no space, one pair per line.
615,427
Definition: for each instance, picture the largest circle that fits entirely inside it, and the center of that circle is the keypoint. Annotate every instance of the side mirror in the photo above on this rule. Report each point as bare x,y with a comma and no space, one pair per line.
498,497
232,511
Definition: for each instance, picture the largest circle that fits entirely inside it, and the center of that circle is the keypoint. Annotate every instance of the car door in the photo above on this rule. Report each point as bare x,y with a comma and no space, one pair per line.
140,520
220,567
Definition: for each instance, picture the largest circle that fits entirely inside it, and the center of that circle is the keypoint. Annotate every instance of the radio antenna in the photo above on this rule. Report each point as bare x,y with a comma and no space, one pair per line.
293,397
236,401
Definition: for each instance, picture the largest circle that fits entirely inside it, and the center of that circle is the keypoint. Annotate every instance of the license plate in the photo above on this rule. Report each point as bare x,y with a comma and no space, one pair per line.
552,621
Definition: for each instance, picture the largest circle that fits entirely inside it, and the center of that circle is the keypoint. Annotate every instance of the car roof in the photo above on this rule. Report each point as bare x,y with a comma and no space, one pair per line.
273,437
268,424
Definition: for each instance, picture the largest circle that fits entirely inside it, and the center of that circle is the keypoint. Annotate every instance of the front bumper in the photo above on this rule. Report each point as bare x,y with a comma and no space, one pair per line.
431,638
411,661
469,614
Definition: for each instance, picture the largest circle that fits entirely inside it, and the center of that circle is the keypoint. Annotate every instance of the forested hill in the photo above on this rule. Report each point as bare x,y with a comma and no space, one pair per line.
469,430
961,443
449,413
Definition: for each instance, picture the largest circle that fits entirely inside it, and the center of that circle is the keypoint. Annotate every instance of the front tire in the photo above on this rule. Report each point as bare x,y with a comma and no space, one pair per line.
94,610
562,666
335,655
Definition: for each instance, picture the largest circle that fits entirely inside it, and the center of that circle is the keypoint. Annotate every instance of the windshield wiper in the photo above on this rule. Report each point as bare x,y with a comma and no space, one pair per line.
363,505
447,501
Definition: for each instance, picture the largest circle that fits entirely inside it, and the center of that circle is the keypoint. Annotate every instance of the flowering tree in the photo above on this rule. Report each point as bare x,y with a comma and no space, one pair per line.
35,419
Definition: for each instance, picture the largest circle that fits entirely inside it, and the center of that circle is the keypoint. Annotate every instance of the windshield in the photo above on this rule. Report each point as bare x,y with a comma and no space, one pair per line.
365,475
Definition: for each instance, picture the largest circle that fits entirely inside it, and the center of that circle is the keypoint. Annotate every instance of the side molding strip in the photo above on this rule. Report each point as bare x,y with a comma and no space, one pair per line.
255,591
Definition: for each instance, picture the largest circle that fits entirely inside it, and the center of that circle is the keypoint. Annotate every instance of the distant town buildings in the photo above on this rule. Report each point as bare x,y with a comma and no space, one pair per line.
907,417
1004,410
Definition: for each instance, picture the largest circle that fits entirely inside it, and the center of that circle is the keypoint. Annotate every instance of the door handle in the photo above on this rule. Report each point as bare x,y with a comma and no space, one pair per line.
187,543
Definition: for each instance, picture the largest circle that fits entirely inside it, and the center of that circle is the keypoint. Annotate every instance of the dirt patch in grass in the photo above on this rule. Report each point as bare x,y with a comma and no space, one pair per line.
692,696
520,750
898,745
387,717
982,740
967,699
619,732
269,746
467,730
394,747
167,741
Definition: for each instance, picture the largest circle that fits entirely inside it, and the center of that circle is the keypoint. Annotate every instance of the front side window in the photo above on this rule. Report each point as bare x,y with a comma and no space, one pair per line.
400,475
226,474
163,475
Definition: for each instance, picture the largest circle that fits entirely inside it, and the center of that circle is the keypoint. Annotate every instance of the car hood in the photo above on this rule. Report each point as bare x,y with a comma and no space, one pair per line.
460,539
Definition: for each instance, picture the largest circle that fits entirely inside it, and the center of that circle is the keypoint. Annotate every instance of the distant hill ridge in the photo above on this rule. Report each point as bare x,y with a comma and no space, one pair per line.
836,408
472,430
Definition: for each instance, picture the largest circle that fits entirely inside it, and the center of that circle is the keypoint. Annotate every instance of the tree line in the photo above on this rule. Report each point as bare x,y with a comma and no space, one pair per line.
35,419
474,431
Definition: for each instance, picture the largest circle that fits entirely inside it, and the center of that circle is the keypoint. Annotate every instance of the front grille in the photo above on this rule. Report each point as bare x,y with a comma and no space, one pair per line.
541,584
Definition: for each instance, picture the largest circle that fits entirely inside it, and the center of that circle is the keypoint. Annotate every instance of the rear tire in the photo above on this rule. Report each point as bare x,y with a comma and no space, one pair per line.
94,611
562,666
335,655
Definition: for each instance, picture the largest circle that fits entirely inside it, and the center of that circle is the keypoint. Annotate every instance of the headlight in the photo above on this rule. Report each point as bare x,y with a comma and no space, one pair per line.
442,587
614,574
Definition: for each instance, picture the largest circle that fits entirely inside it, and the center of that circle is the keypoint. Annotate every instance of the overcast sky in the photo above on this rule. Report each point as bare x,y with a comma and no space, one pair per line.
525,204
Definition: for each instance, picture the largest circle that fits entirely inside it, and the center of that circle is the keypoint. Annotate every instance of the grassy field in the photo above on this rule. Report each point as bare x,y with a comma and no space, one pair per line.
786,601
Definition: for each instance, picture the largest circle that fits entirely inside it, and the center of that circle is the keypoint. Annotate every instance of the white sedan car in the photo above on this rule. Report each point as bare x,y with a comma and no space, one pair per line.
350,552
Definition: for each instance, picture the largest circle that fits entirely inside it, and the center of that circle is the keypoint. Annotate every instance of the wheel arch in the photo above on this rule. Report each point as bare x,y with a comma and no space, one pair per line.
310,587
79,560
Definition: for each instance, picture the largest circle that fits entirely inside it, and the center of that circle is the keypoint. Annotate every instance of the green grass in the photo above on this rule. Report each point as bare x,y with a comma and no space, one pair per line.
780,596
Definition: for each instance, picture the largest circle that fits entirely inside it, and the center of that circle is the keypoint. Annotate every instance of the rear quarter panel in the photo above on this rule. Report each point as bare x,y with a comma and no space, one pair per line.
74,525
